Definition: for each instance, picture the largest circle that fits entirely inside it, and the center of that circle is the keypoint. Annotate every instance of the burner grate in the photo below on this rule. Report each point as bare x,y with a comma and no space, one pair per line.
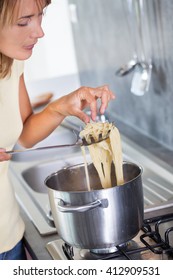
163,245
68,251
151,240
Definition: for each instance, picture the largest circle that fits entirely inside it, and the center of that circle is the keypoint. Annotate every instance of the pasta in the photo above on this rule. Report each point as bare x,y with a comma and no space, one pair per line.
105,152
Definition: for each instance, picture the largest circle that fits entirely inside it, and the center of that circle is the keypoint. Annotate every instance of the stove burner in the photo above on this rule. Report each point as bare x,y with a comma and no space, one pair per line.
107,250
154,241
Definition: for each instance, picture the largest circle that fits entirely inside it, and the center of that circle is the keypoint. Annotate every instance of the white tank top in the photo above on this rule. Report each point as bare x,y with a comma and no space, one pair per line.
11,224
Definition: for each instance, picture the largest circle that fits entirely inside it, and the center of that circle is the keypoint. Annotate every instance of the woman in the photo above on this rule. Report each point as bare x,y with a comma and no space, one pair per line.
20,29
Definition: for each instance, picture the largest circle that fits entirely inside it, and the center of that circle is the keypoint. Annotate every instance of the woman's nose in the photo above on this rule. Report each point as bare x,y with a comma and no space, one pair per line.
38,32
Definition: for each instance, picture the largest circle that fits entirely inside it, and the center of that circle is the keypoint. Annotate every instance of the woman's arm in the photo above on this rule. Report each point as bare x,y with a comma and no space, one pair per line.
38,126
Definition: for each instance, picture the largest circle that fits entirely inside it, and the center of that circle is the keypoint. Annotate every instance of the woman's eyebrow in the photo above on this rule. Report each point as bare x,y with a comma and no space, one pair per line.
28,16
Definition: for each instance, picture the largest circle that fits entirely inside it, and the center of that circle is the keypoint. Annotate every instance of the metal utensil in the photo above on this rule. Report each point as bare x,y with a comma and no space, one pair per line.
79,142
142,76
127,68
131,25
137,24
141,79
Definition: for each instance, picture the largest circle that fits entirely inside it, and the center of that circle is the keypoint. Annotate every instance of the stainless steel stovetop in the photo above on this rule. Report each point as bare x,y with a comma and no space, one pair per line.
153,242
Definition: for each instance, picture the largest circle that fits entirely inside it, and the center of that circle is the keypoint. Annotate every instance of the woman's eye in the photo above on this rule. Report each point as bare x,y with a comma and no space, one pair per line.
23,22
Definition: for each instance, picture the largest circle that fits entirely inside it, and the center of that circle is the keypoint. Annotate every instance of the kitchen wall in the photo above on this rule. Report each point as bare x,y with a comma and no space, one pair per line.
104,40
53,66
54,55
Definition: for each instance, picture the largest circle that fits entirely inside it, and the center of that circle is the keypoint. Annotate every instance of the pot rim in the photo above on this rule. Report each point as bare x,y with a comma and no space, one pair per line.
92,191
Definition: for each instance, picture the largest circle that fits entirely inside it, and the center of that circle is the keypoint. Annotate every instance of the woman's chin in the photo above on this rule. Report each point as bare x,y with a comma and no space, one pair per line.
24,56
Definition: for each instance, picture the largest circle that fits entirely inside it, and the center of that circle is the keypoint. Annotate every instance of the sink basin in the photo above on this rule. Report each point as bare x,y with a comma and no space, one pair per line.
157,189
35,175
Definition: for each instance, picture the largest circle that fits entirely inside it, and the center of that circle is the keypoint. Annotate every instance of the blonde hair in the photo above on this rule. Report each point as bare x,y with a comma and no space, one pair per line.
7,17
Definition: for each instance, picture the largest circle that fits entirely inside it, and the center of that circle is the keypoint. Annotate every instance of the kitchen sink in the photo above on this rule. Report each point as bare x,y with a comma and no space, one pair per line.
36,175
32,195
157,189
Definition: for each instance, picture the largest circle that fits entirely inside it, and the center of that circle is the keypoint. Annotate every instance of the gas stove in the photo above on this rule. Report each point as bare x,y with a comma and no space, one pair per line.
153,242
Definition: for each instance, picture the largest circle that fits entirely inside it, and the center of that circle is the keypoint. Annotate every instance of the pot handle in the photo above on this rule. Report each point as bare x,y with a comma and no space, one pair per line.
62,207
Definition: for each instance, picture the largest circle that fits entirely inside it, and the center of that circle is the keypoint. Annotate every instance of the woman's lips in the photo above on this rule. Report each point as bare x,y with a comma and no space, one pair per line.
29,47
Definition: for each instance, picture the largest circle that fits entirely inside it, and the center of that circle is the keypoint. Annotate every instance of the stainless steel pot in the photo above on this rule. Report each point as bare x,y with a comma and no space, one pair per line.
100,218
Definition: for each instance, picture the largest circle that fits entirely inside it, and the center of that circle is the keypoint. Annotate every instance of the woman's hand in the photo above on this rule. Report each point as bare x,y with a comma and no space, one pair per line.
74,103
3,155
39,125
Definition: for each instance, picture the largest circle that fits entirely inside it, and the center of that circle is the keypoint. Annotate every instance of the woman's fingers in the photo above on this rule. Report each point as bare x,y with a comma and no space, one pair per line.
3,155
105,96
74,103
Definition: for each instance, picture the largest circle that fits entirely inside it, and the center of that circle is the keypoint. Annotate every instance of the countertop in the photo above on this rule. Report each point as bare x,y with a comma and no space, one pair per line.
35,243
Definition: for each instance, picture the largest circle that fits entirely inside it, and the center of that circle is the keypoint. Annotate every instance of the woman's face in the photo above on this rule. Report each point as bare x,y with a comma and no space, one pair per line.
18,40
